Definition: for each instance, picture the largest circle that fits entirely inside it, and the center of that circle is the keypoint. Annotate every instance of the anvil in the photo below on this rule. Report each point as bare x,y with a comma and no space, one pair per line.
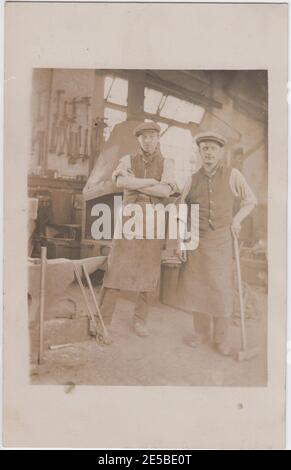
59,275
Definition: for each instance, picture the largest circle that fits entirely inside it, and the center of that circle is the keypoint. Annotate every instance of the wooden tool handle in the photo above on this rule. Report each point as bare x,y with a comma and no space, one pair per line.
94,300
240,291
89,310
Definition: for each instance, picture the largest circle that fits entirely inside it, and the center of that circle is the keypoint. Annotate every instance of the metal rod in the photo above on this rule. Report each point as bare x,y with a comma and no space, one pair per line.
42,301
89,310
94,299
60,346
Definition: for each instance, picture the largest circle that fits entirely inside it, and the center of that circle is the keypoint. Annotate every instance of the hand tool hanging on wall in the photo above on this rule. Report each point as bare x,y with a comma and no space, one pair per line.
74,142
55,125
70,133
93,140
72,136
69,147
79,141
41,136
75,139
74,132
85,143
85,151
63,131
245,353
86,101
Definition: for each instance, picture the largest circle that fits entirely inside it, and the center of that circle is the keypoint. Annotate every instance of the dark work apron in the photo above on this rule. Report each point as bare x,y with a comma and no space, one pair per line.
205,282
134,265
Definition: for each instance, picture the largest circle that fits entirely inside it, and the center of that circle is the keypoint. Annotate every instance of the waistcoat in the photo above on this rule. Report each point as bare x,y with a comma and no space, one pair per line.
214,196
141,169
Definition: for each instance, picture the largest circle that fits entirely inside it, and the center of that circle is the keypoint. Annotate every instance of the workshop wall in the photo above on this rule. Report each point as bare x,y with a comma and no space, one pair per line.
64,134
71,114
40,99
243,120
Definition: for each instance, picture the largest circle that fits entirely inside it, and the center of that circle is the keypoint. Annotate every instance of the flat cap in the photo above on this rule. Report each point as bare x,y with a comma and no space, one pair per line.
212,136
147,126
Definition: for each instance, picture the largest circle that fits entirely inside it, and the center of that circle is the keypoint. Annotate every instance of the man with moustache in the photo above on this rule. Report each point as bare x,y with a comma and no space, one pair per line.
205,285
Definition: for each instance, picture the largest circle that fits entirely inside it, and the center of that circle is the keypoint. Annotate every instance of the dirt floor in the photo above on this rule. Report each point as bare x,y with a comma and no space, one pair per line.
163,358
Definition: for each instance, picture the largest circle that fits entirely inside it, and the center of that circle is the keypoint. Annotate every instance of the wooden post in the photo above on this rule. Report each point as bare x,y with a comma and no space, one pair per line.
136,84
97,111
42,301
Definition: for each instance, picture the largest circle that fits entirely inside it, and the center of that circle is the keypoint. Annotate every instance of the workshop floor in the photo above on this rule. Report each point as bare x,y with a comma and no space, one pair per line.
163,358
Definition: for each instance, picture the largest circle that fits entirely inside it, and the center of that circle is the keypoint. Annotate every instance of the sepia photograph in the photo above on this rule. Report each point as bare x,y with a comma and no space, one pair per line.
136,310
145,225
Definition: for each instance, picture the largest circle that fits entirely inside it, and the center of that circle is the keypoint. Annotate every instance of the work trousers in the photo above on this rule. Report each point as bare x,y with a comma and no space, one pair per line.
215,327
109,298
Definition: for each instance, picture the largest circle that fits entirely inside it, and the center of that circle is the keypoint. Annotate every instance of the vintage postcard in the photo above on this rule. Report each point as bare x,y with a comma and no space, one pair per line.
145,225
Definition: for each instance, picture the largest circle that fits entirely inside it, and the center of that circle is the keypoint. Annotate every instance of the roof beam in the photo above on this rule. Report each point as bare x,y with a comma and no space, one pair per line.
180,92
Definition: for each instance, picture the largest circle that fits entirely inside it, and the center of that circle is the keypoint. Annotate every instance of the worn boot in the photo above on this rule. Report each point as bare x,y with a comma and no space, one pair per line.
195,340
201,330
223,349
140,329
221,335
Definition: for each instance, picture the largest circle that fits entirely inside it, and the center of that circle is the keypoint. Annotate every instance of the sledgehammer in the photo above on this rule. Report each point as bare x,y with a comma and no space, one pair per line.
245,353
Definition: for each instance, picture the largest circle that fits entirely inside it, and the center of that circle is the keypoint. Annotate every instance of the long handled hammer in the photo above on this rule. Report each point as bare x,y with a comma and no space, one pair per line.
100,338
88,280
245,353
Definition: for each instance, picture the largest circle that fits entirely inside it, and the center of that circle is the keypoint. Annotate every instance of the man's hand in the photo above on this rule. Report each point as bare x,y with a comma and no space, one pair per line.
123,172
182,254
129,181
235,228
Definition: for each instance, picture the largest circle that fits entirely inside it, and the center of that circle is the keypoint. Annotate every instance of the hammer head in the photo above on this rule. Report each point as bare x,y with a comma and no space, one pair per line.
247,354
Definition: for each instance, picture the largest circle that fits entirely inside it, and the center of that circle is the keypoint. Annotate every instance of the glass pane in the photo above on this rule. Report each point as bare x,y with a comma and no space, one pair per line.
177,144
107,84
152,100
116,90
112,117
163,126
182,110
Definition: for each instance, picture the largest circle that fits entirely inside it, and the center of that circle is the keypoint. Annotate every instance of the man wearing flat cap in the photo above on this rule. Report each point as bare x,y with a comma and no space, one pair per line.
134,264
205,285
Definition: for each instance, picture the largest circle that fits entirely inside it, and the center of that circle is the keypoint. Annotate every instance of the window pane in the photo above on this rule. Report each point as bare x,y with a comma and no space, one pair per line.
177,144
182,110
112,117
107,84
163,126
116,90
152,100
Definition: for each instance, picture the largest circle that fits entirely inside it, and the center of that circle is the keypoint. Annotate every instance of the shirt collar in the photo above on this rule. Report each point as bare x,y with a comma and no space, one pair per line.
147,159
210,175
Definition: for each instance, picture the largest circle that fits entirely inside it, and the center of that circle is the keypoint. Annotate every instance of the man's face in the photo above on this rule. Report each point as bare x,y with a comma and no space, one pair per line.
149,141
211,153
